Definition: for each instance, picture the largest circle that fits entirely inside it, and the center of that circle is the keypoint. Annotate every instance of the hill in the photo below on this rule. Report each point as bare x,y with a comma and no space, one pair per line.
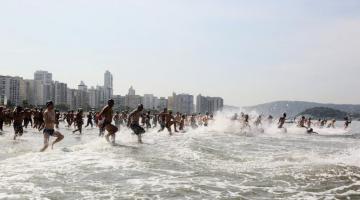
292,108
327,113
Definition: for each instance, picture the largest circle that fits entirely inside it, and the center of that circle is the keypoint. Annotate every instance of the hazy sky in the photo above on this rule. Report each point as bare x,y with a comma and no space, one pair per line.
248,52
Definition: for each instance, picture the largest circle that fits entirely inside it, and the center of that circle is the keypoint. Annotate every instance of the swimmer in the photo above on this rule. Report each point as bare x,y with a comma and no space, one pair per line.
347,122
282,121
133,122
49,119
18,117
78,121
107,113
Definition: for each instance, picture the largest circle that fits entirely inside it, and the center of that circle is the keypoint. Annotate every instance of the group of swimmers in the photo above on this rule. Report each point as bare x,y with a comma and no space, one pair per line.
47,120
138,121
304,122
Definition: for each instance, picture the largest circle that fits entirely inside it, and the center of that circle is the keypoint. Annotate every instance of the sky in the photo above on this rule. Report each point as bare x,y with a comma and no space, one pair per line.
247,52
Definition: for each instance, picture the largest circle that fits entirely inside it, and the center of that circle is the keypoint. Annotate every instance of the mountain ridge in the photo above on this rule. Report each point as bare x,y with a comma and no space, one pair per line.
293,108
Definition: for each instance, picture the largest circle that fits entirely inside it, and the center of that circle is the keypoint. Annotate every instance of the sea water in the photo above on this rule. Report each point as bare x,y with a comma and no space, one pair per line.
215,162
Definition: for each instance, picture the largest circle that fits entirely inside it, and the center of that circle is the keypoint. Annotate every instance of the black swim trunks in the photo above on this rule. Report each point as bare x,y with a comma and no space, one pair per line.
18,129
137,129
48,131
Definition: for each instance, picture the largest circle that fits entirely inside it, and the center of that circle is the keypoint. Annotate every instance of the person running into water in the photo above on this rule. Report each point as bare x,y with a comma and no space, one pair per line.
57,119
281,122
155,120
332,124
302,121
79,121
18,117
117,119
49,119
89,120
107,114
347,122
27,118
133,122
147,120
166,120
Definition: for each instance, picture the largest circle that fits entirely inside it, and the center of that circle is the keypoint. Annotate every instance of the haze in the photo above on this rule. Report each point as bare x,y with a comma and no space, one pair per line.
247,52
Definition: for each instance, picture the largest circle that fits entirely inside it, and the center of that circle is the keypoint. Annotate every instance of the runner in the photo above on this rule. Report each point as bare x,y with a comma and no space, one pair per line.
133,122
107,114
49,119
18,117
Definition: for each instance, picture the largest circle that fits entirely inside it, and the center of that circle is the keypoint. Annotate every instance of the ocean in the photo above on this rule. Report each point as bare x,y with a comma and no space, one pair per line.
216,162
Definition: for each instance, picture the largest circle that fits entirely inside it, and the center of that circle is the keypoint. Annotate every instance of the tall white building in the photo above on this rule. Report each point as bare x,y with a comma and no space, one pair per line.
60,93
119,102
82,86
43,76
131,91
208,104
183,103
45,79
33,92
132,100
163,103
108,85
10,90
149,101
93,100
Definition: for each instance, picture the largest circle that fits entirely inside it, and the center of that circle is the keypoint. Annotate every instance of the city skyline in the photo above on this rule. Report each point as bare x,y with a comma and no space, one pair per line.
42,88
247,52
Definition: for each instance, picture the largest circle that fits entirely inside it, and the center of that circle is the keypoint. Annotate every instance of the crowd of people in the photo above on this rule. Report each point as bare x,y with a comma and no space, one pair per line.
307,123
47,121
107,121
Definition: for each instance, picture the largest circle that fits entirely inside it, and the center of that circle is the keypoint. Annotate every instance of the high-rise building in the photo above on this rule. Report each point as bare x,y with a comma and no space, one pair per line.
163,103
93,98
82,86
183,103
132,100
131,91
70,94
43,76
60,93
208,104
10,90
119,102
33,93
149,101
45,79
108,85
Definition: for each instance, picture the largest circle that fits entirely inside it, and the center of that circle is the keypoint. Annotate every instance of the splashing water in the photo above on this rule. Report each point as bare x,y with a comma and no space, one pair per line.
219,161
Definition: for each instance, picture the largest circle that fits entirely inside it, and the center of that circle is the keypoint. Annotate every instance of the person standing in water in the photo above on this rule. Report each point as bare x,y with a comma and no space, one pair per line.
347,122
107,114
49,130
89,117
79,121
133,122
18,117
282,121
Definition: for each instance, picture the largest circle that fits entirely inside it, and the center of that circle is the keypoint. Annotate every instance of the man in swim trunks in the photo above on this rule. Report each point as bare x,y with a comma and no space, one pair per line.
107,113
49,130
282,121
78,121
347,122
18,117
89,120
133,122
